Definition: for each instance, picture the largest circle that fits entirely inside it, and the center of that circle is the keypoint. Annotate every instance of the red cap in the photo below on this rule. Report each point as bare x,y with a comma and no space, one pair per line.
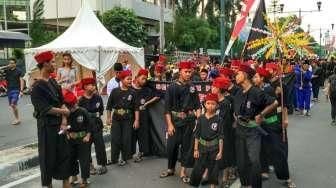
87,81
185,65
211,97
123,74
226,72
235,63
162,58
272,66
221,83
69,97
143,72
247,69
43,57
159,67
263,72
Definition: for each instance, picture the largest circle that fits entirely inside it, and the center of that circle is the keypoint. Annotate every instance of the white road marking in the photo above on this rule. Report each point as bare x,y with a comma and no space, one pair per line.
31,177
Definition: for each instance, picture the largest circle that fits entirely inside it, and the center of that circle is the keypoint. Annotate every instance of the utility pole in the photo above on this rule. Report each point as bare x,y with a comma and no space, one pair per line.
57,21
320,50
162,39
222,28
5,14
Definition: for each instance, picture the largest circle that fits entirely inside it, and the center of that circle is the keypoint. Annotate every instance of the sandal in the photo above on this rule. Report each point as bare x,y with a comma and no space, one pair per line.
166,174
93,171
73,180
185,179
16,122
102,170
290,184
122,163
84,184
138,159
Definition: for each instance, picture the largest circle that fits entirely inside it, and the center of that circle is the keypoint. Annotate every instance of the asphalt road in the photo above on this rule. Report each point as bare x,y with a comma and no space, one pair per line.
17,135
312,158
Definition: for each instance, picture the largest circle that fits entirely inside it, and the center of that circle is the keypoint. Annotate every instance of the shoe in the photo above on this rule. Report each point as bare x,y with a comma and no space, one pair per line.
308,114
333,123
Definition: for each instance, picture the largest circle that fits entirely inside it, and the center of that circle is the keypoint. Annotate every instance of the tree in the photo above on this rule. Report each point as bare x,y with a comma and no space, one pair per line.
190,33
38,32
125,25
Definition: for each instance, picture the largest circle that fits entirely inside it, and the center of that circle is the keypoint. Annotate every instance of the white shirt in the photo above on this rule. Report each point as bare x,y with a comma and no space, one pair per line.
111,85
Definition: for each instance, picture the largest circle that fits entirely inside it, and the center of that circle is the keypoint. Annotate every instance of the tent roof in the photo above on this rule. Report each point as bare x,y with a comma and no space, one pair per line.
85,33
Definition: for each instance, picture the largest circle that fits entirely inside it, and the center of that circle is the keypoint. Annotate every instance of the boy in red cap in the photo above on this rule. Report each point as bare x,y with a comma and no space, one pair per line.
93,103
51,115
145,97
220,87
122,102
79,135
274,150
208,147
182,106
251,105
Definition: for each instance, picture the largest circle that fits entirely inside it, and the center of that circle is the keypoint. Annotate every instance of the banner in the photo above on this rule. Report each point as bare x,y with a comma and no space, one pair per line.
240,23
258,27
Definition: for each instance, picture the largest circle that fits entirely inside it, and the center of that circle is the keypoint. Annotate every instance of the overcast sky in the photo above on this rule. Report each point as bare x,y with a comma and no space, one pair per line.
322,19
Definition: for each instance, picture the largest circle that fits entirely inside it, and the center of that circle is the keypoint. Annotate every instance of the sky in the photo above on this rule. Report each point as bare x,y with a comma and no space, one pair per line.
317,20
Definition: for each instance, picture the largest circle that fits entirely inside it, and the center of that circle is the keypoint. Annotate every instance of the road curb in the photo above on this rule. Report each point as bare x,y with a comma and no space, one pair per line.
30,162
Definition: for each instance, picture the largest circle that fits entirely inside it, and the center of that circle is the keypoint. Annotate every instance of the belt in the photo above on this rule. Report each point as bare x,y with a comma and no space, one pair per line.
121,111
272,119
213,142
94,114
180,115
75,135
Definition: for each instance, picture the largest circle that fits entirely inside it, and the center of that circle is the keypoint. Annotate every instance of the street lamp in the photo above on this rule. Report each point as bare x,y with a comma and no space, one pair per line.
319,3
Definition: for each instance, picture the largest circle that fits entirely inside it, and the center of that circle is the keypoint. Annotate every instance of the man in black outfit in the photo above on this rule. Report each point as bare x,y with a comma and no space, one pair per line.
251,105
15,87
317,80
51,115
182,106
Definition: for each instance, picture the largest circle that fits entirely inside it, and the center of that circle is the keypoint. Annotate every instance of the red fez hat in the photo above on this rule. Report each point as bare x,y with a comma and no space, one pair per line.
247,69
235,63
272,66
221,83
143,72
123,74
185,65
263,72
69,97
43,57
226,72
87,81
159,67
162,58
211,97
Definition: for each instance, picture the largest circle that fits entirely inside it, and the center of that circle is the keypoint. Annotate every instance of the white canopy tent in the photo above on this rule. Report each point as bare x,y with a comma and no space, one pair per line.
90,44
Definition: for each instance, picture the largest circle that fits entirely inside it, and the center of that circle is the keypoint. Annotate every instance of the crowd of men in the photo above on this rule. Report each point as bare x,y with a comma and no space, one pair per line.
233,125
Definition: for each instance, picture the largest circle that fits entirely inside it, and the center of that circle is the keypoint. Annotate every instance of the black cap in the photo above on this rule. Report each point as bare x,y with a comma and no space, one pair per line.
307,62
117,67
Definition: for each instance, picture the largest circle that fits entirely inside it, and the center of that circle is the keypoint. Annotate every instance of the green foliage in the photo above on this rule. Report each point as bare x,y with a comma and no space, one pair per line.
125,25
191,33
18,53
38,32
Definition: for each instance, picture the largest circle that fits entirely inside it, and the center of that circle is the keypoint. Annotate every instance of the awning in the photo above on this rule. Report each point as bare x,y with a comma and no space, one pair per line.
9,39
13,35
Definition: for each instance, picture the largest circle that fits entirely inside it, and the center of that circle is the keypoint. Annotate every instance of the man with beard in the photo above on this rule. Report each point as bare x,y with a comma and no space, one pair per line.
51,115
